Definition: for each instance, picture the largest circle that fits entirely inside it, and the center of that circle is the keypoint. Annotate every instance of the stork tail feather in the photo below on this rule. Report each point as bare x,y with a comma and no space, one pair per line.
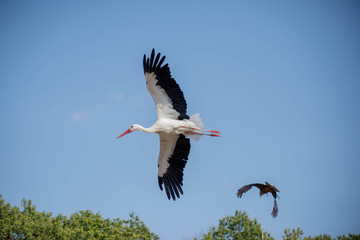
198,123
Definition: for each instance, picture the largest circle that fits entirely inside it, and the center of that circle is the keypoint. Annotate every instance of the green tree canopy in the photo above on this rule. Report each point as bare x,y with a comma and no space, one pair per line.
239,226
30,224
296,234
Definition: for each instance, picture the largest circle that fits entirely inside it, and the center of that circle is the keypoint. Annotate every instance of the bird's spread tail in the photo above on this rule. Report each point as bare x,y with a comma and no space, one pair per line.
275,209
198,123
197,120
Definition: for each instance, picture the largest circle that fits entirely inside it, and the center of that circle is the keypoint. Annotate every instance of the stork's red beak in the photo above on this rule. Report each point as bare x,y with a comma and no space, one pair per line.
126,132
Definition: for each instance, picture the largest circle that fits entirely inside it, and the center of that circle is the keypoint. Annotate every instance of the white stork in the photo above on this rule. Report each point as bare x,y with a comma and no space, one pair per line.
173,124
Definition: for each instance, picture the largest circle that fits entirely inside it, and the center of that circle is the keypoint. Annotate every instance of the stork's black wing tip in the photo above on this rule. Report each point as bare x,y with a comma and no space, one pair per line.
144,64
152,63
172,189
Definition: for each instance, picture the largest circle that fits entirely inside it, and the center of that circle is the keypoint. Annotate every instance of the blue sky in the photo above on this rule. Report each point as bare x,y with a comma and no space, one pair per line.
279,79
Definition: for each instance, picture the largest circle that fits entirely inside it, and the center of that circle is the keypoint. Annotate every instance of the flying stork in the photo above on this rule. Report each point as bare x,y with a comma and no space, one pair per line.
267,188
173,125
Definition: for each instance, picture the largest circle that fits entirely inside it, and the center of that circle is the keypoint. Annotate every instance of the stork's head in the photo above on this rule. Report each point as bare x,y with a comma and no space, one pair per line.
134,127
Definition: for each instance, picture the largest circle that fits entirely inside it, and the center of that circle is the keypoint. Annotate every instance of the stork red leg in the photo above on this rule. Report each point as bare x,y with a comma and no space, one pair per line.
203,130
199,133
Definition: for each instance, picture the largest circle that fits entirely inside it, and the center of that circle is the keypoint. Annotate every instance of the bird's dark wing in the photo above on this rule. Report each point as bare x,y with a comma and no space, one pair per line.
275,209
167,95
263,189
174,152
273,193
246,188
259,186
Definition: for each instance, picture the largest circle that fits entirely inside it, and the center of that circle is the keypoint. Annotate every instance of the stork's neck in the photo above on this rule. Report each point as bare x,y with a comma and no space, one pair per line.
144,129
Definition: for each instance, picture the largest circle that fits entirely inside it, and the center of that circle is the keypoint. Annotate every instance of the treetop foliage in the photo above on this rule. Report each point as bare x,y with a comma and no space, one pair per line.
30,224
239,226
296,234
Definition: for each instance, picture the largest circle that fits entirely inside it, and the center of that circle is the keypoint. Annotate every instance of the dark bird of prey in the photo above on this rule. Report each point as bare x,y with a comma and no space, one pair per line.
267,188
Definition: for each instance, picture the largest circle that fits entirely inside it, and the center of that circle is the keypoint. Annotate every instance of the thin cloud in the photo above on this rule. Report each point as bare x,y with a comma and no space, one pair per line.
116,96
81,116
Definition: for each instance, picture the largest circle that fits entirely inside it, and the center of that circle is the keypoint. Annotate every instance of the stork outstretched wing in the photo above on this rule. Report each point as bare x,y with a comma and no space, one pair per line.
173,156
166,93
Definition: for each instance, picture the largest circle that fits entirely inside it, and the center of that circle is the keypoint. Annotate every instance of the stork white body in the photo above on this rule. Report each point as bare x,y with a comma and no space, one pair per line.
167,125
173,124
